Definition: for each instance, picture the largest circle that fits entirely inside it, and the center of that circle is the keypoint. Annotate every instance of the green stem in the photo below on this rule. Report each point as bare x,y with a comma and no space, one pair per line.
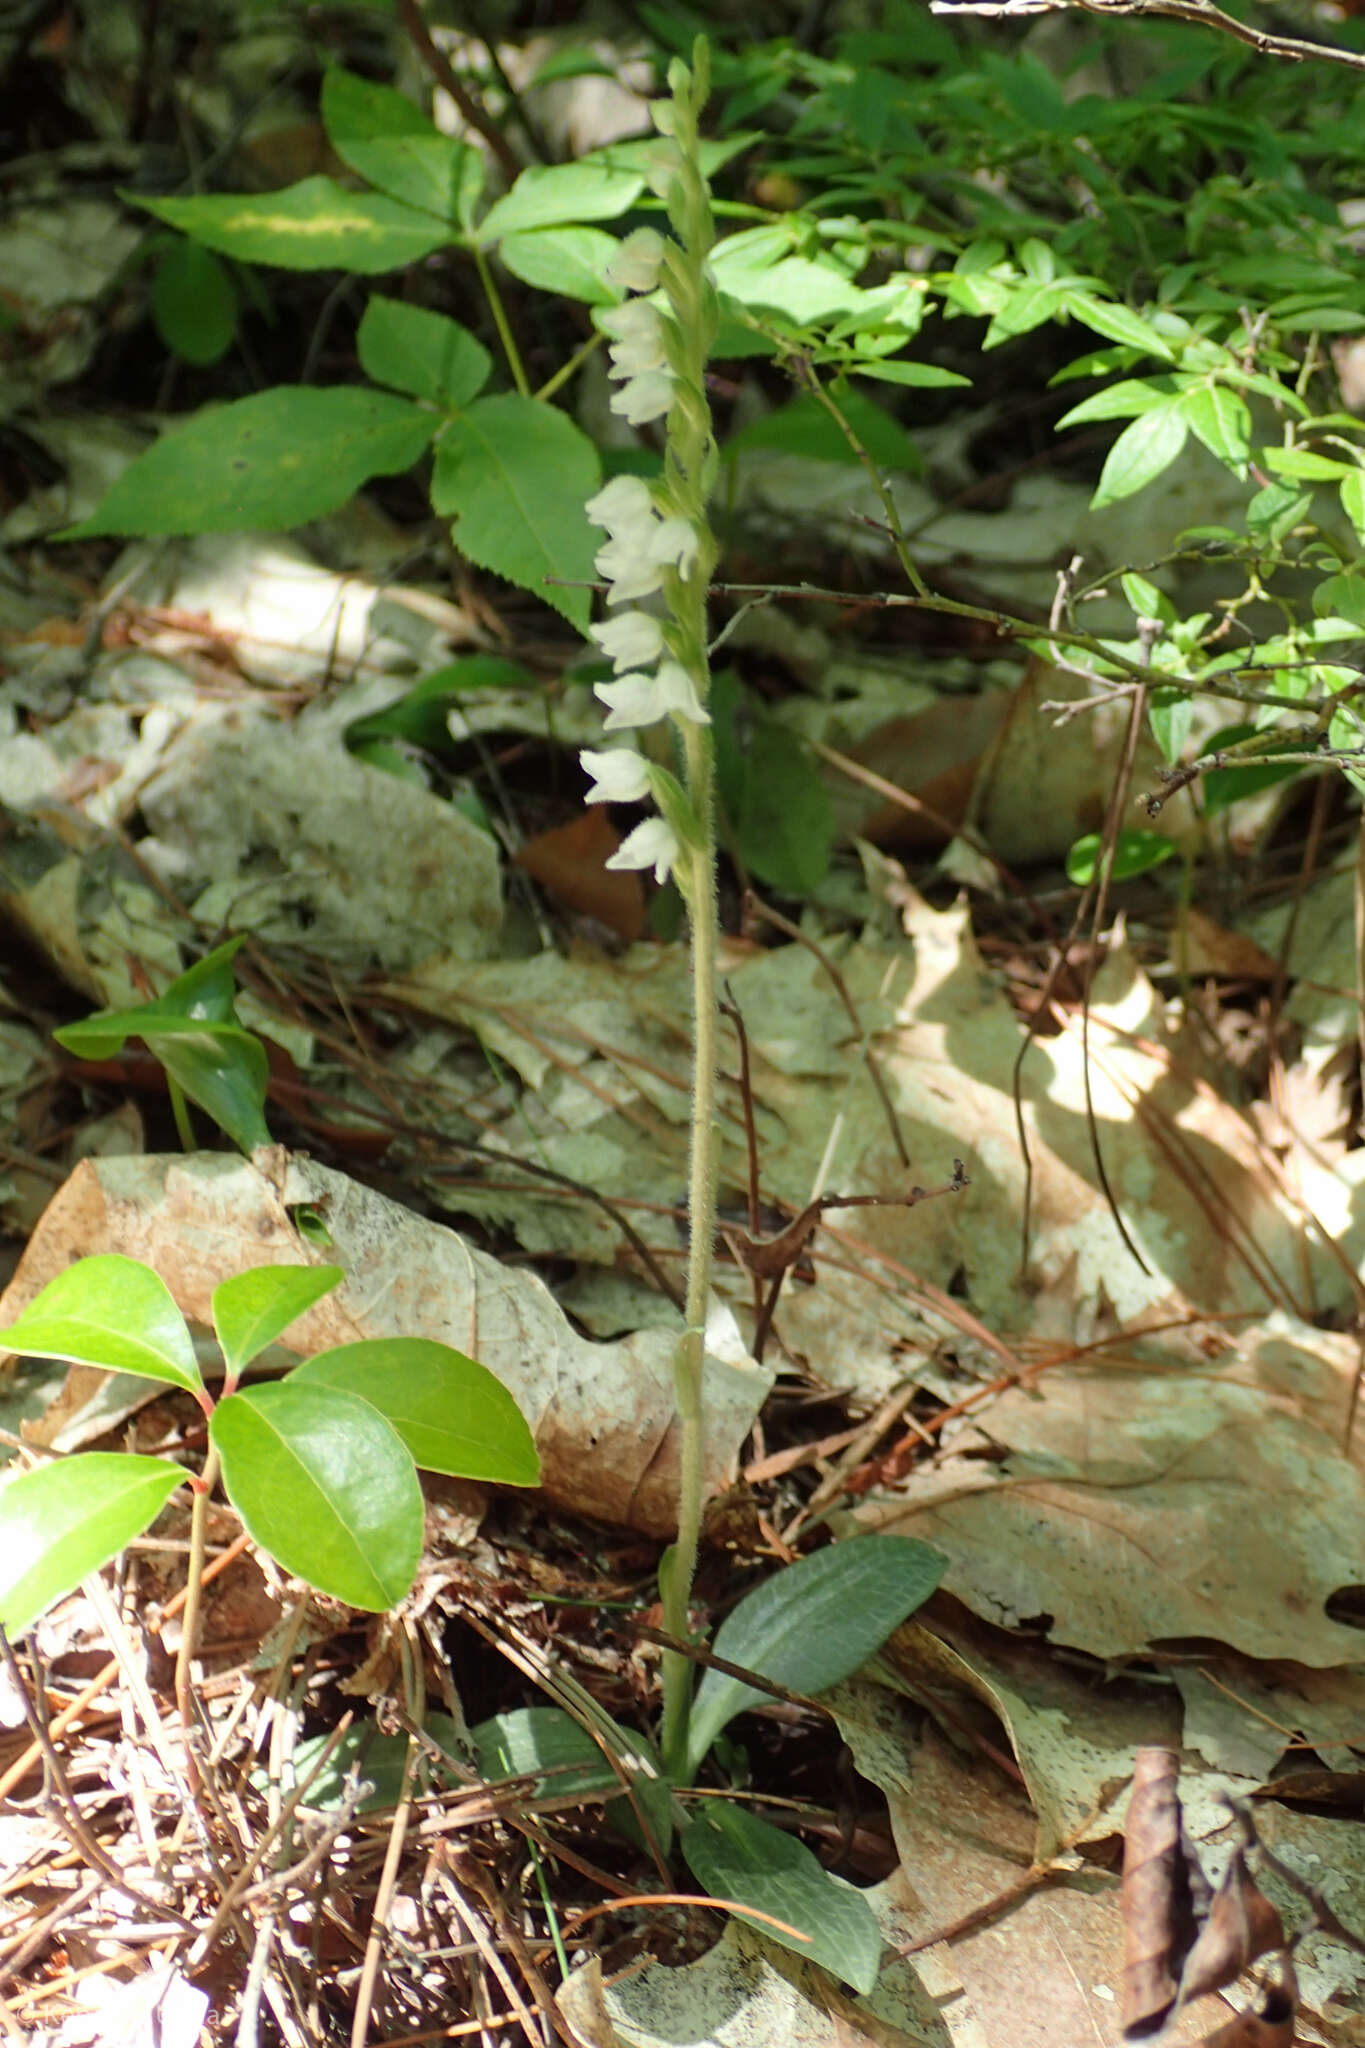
503,325
184,1129
690,1358
569,369
189,1620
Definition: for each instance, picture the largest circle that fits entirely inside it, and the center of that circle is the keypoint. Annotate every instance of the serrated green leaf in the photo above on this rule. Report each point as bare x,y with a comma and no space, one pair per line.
741,1859
421,352
514,474
388,141
548,195
1142,452
812,1624
268,462
1222,422
324,1485
568,260
453,1414
252,1309
65,1520
113,1313
1134,853
314,225
194,304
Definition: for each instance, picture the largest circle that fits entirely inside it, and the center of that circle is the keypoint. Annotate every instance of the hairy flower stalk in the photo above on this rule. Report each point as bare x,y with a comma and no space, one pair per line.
660,549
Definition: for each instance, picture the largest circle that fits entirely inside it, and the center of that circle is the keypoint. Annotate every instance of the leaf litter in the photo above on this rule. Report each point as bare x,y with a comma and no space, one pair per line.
1143,1470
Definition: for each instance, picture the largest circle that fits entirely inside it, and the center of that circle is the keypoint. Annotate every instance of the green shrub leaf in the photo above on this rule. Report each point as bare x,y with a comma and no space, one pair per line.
812,1624
453,1415
1142,451
1119,323
1222,422
1130,396
514,474
194,304
422,353
568,260
1225,786
323,1484
390,143
1134,853
63,1521
1353,500
314,225
547,195
251,1309
738,1857
263,463
113,1313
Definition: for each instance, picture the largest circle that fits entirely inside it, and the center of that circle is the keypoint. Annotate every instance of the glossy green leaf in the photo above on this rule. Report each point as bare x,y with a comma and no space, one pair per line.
113,1313
221,1067
314,225
453,1414
1222,422
737,1857
569,260
390,143
420,352
267,462
324,1485
194,303
253,1308
1134,853
63,1521
547,195
1142,452
514,475
813,1623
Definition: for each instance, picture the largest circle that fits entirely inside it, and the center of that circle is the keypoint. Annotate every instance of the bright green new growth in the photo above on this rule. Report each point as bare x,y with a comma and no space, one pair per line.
321,1465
